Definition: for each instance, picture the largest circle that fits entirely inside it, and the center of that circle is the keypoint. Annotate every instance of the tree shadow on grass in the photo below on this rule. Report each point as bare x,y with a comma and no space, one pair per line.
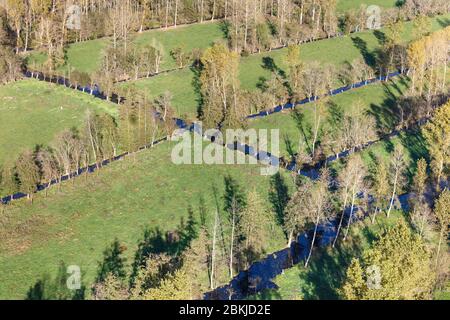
381,37
113,262
361,45
278,196
303,127
197,85
225,27
289,145
326,273
336,115
269,64
47,288
387,114
416,146
443,22
172,243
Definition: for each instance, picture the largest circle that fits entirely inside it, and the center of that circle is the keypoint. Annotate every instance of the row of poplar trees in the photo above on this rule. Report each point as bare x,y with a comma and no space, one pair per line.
141,123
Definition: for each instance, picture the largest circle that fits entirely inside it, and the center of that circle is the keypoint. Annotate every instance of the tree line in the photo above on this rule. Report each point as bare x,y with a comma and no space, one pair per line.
255,26
140,123
43,23
237,235
359,191
250,26
226,105
203,252
333,130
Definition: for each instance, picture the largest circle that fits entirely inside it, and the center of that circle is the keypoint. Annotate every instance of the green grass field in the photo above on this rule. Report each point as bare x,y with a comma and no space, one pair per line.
86,56
33,112
336,51
344,5
78,223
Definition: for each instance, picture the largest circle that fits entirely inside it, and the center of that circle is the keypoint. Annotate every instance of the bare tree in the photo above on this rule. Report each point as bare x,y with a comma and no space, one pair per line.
397,170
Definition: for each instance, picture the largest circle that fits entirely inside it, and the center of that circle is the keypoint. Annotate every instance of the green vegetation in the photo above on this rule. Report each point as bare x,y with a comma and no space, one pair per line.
444,294
377,99
76,224
175,231
344,5
33,112
86,56
326,273
336,51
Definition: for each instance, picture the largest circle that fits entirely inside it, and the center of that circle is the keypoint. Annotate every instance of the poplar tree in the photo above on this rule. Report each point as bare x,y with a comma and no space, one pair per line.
442,212
396,267
420,209
380,187
196,259
351,184
421,26
219,87
295,66
397,171
234,203
296,212
318,206
437,136
173,287
253,228
27,173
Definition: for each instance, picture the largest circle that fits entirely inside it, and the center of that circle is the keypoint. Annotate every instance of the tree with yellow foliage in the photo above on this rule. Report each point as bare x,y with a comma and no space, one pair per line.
174,287
437,136
220,88
442,211
398,266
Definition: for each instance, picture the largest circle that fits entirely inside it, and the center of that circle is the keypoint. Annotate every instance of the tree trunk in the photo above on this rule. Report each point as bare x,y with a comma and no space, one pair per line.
312,243
439,247
393,195
176,14
342,218
422,226
290,238
232,244
213,10
350,216
316,133
213,253
375,214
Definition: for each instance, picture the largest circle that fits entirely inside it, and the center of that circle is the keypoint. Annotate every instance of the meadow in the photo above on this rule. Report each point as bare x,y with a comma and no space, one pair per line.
255,68
345,5
75,224
86,56
64,108
33,112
